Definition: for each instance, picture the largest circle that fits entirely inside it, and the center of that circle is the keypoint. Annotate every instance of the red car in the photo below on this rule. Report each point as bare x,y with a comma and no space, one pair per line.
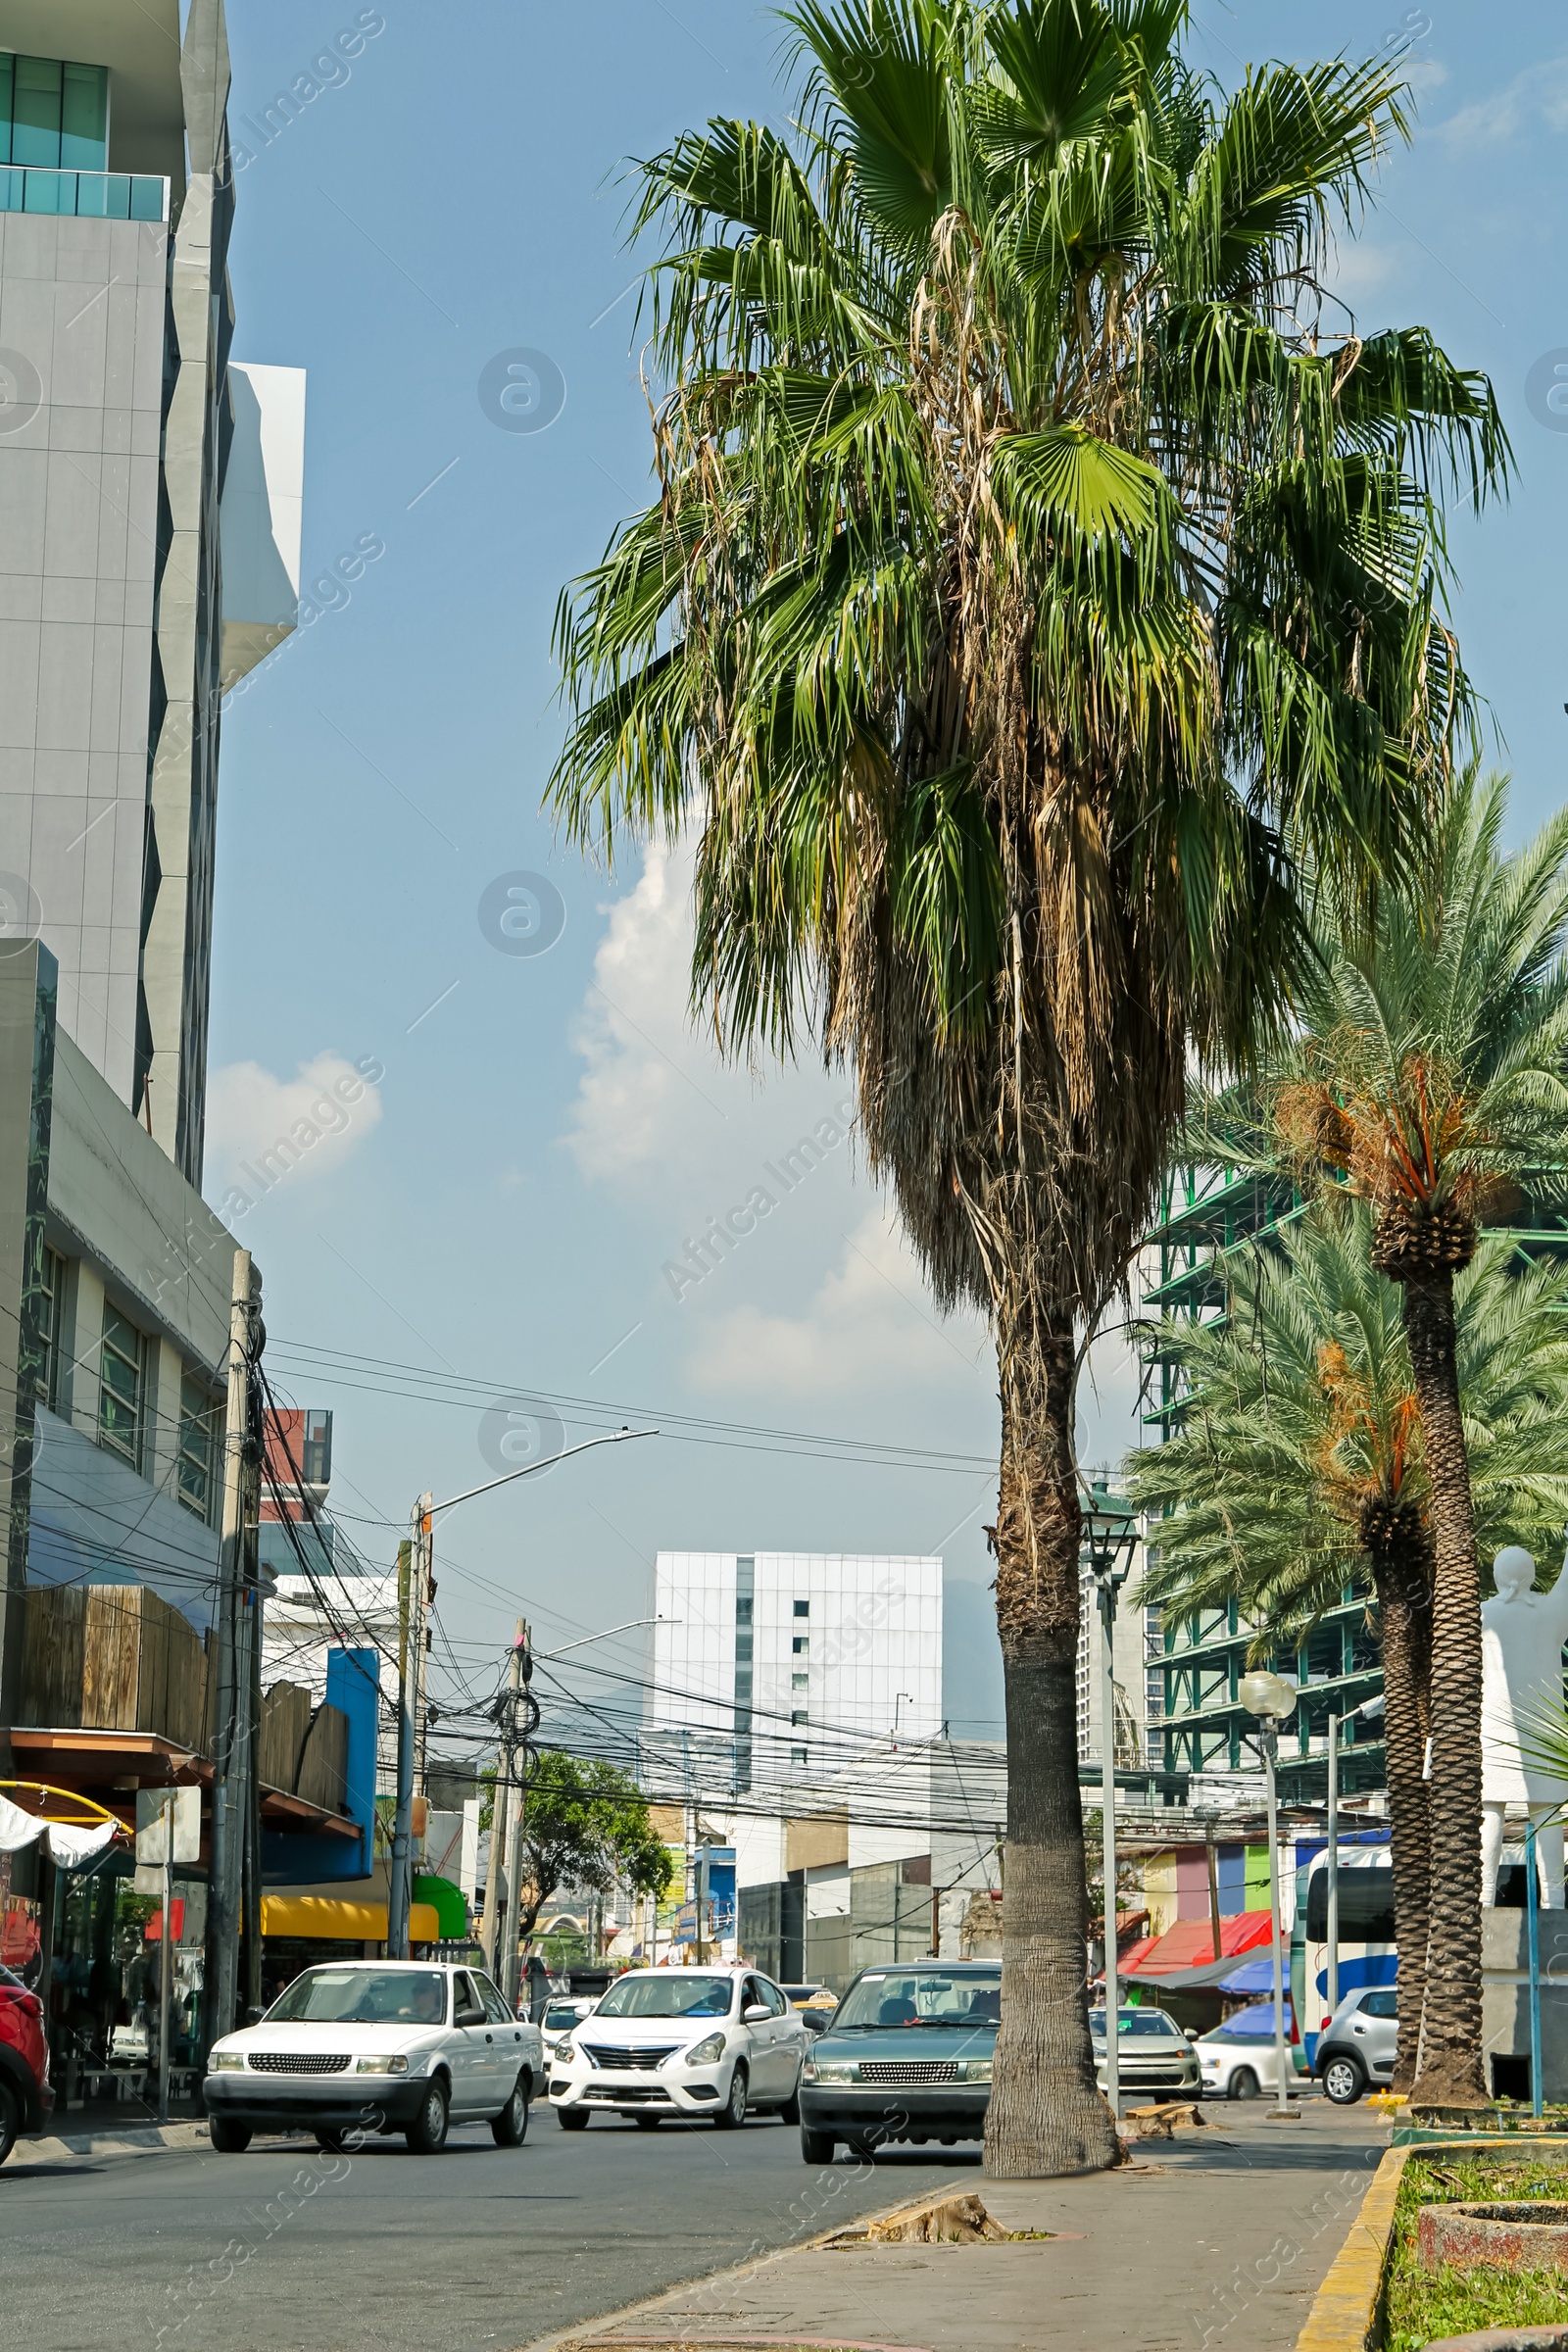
25,2099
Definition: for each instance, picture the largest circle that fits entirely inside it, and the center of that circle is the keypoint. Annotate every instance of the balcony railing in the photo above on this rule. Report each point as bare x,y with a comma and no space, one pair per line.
83,195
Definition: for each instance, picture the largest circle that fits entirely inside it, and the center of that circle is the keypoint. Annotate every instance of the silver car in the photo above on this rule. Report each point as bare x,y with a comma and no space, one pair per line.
1356,2049
1152,2053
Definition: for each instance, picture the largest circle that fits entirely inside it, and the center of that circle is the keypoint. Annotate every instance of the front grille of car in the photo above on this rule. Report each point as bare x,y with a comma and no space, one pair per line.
908,2070
298,2062
630,2094
641,2060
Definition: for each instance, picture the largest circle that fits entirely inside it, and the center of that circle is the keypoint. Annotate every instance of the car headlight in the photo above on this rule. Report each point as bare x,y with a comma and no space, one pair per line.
225,2062
833,2070
975,2070
707,2052
380,2065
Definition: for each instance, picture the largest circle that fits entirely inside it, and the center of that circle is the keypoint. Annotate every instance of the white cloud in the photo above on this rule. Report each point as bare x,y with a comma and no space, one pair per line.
869,1325
261,1128
1539,94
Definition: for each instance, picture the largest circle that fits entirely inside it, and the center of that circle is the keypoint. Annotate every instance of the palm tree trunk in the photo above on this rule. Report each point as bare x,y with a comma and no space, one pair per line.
1404,1620
1448,2070
1047,2114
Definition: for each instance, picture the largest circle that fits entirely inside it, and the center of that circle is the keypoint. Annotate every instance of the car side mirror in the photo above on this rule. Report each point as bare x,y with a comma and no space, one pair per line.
756,2011
815,2021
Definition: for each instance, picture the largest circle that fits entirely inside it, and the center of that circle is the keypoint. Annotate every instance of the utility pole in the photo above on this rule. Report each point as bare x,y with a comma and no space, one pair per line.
524,1715
232,1664
498,1874
401,1888
1213,1884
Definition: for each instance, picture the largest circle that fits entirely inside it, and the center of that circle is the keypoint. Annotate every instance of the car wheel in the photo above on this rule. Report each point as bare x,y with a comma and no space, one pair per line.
648,2122
10,2121
1344,2081
228,2135
790,2112
1244,2085
816,2147
427,2135
572,2119
732,2114
509,2129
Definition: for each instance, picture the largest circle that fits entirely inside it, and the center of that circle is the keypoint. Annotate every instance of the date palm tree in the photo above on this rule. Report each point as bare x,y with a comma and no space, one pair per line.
1298,1476
1430,1078
1028,563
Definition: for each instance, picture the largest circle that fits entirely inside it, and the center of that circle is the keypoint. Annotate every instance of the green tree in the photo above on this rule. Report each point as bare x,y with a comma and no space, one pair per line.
586,1825
1298,1476
1027,563
1428,1077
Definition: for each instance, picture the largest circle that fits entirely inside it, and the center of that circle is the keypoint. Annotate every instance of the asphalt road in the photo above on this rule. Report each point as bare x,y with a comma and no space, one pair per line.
480,2249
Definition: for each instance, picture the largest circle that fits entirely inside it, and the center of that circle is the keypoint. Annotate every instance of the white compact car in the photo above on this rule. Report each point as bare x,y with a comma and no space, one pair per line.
682,2041
377,2045
1237,2061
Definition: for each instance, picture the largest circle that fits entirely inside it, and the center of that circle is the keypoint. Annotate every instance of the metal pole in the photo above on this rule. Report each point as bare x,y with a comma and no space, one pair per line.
223,1922
1532,1912
1334,1866
1282,2096
401,1888
1108,1825
1213,1885
164,1961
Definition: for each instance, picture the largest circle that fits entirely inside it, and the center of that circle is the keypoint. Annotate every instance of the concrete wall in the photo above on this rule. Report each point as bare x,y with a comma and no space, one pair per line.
82,308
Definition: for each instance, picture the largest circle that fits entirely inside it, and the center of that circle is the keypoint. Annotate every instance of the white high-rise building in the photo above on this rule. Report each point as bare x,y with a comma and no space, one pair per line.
771,1664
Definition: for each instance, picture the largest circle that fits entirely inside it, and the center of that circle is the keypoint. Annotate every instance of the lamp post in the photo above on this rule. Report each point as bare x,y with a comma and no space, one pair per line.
1368,1711
1272,1699
1110,1528
400,1892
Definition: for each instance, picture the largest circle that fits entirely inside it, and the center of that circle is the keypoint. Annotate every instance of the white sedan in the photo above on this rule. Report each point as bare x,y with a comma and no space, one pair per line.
377,2045
667,2041
1238,2060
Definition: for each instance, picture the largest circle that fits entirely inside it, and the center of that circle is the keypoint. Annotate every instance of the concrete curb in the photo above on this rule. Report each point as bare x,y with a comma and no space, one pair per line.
134,2140
1345,2310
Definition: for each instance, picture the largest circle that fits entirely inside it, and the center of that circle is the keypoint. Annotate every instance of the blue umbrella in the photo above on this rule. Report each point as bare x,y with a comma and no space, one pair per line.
1254,1975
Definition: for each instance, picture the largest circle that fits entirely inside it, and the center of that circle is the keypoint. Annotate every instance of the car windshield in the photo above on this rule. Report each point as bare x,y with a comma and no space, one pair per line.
925,1997
668,1994
1150,2023
362,1997
558,2016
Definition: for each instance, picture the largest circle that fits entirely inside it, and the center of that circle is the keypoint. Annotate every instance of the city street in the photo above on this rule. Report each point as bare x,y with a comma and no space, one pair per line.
389,2253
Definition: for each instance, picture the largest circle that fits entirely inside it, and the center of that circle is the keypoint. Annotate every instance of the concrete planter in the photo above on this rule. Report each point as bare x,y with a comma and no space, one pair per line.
1503,2236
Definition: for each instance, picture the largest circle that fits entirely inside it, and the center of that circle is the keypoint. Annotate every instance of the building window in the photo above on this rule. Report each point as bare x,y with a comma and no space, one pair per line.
801,1644
799,1755
122,1379
799,1716
53,113
800,1682
803,1608
51,1322
197,1417
745,1593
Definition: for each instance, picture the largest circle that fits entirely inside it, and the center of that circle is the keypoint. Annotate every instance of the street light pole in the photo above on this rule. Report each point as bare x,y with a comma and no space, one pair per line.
1112,1532
1334,1866
401,1888
1272,1699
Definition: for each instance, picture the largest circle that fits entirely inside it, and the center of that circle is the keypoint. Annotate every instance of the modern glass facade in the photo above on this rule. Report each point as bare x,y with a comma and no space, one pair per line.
54,145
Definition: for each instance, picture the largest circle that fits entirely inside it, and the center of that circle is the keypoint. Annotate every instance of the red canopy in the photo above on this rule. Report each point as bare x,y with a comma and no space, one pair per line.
1190,1941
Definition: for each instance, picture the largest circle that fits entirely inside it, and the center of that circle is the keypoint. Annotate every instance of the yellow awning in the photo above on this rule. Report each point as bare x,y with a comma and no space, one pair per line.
330,1919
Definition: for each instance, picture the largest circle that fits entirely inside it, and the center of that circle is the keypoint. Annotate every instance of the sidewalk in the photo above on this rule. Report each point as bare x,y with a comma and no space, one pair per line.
1219,2239
103,2133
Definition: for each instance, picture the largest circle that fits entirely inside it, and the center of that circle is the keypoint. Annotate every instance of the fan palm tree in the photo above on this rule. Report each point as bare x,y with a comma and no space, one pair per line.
1299,1474
1026,561
1430,1076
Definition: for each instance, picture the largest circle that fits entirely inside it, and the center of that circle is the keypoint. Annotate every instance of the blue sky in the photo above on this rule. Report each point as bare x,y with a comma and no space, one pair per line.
549,1131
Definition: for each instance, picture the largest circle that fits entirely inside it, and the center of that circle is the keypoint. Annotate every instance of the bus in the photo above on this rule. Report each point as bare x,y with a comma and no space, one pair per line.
1367,1952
